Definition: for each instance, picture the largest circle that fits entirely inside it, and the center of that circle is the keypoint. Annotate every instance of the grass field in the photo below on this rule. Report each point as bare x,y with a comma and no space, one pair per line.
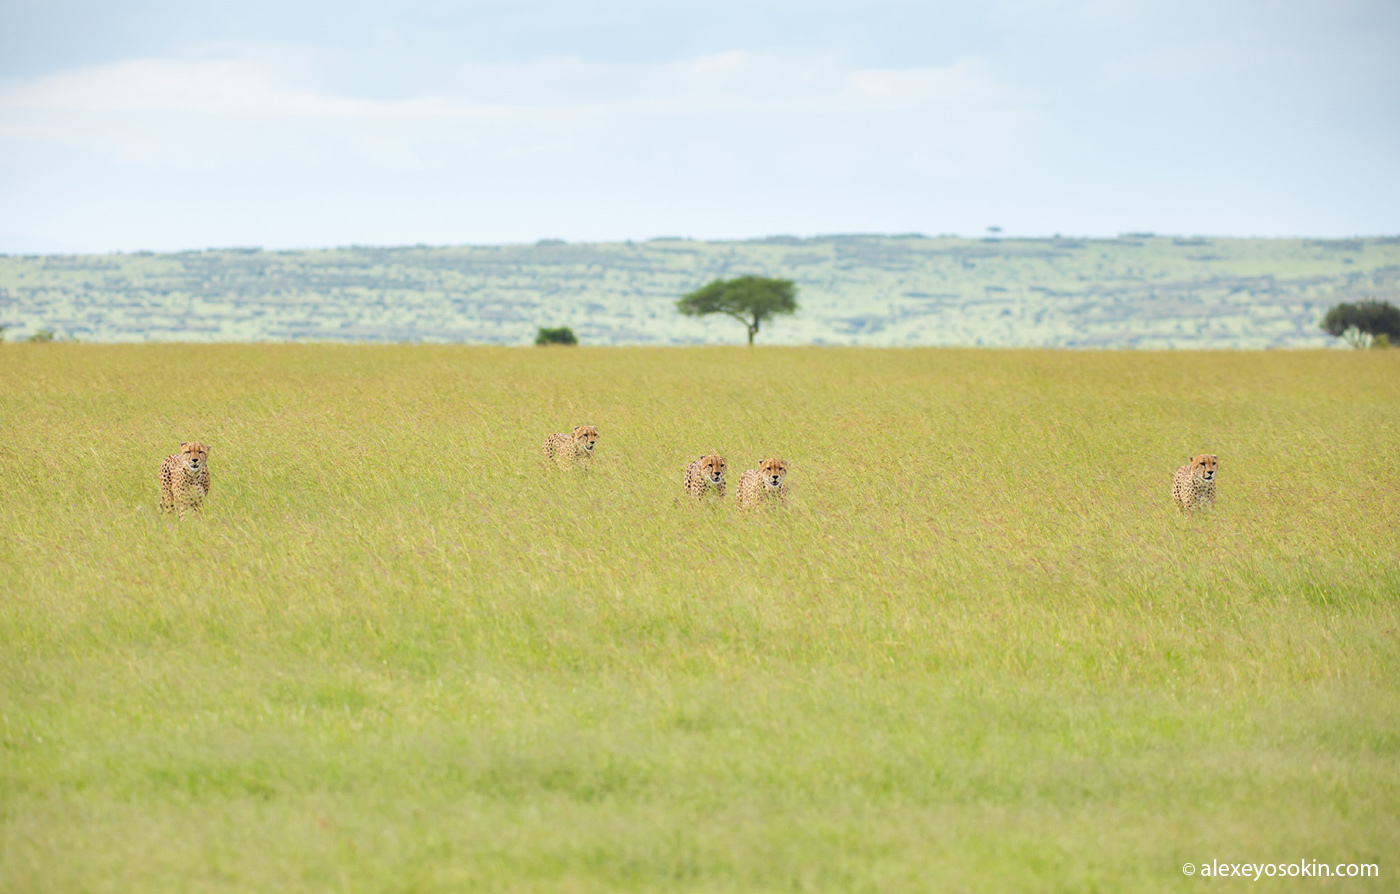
870,291
978,650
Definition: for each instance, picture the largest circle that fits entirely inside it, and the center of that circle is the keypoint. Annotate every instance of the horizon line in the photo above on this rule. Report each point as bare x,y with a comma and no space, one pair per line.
777,238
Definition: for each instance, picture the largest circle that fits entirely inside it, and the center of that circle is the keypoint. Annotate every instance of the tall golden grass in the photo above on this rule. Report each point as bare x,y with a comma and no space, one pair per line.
978,648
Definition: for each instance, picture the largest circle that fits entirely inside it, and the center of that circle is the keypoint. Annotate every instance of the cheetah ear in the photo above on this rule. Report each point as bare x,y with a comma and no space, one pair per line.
184,444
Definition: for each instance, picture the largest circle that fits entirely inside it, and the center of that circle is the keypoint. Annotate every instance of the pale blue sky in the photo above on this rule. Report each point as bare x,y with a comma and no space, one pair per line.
169,125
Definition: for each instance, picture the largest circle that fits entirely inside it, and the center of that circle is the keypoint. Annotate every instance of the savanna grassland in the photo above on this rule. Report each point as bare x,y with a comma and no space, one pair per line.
873,291
978,649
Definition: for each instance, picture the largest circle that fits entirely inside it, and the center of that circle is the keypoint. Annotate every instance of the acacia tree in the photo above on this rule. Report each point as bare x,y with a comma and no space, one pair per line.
1361,323
751,300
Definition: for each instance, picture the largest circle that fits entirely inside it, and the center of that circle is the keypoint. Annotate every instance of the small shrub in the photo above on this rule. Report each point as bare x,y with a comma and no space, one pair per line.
42,335
1381,341
560,336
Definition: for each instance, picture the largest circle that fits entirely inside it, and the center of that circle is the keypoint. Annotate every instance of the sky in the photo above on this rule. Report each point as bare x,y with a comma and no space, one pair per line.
176,125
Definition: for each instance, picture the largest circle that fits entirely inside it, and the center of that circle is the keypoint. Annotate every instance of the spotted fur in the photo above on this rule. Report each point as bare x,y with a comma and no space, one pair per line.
184,479
704,474
1193,485
575,447
767,482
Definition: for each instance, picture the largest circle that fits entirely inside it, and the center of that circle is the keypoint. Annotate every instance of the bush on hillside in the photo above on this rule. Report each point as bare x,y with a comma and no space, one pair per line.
560,336
1360,324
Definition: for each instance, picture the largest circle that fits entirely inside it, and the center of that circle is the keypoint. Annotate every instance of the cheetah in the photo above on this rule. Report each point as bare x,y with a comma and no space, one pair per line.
767,481
1193,484
577,446
705,473
184,479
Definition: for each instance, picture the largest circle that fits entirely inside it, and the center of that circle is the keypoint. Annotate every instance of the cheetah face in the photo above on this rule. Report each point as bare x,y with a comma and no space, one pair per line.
1204,466
773,472
194,455
586,436
713,468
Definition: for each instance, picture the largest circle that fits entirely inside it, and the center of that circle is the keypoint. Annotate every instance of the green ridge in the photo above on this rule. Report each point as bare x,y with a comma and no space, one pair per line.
1136,291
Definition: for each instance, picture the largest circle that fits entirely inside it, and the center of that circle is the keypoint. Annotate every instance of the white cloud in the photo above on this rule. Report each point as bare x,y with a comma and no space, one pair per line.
239,87
958,84
565,145
720,63
735,81
206,113
738,80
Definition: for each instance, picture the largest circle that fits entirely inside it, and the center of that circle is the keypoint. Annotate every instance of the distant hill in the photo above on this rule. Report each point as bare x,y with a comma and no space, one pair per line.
1136,291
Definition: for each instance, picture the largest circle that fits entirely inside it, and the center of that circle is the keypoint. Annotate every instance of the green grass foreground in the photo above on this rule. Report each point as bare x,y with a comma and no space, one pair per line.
978,650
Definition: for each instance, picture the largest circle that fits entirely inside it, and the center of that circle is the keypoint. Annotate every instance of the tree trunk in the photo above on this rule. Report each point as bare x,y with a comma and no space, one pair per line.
753,330
1353,336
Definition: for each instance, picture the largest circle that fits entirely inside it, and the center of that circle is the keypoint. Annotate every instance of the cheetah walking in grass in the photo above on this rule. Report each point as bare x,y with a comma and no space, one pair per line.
184,479
767,482
575,447
704,474
1193,485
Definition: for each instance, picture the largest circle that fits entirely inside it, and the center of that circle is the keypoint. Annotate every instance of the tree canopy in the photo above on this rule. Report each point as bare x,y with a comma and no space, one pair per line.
563,335
752,300
1361,323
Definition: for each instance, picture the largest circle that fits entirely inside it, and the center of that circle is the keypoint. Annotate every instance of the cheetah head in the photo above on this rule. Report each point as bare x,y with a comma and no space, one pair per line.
194,455
586,436
773,472
1203,466
713,468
